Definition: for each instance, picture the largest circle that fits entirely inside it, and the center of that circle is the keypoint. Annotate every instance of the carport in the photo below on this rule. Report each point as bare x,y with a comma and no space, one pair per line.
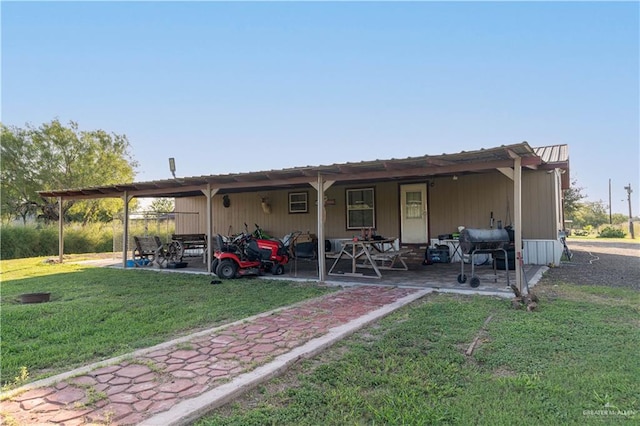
509,160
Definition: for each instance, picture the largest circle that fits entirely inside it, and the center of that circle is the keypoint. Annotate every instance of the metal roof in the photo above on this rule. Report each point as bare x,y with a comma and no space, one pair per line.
375,170
554,154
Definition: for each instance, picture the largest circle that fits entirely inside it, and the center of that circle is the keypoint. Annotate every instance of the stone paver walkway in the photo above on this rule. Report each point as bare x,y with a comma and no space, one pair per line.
135,389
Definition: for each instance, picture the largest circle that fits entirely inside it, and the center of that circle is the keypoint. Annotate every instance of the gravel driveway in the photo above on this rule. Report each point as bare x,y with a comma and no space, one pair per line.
603,262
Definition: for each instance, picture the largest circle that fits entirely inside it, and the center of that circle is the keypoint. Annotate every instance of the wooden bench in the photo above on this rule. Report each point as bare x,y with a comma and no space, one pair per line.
149,251
332,254
389,259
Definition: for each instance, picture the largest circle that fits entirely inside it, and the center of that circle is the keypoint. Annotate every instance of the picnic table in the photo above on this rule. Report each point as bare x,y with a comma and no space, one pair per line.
378,255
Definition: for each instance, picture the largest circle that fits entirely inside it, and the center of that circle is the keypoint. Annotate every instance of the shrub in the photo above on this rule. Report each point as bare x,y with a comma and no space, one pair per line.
26,241
18,241
580,232
91,238
42,240
47,240
610,232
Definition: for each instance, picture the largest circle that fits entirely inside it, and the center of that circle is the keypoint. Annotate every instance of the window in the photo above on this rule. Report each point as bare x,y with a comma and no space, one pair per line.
298,202
413,206
360,208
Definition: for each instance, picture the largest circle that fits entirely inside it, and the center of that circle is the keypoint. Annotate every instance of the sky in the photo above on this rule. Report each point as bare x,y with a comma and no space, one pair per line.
227,87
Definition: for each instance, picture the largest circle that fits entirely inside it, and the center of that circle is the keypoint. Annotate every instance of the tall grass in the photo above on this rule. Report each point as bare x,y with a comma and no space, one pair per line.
17,242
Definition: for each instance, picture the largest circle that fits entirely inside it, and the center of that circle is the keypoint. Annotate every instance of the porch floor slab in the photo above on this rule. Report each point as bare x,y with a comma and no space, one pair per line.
435,276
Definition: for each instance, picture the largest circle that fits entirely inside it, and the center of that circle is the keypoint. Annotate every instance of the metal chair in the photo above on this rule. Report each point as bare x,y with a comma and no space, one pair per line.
305,251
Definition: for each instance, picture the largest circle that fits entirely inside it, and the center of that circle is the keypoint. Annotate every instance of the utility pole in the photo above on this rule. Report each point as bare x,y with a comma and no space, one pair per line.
629,191
610,217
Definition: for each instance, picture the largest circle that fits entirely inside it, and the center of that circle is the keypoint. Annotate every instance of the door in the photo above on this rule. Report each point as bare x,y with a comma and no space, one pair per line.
413,213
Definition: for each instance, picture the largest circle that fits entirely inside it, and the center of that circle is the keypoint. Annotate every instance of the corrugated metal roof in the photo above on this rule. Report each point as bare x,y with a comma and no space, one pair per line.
553,154
410,167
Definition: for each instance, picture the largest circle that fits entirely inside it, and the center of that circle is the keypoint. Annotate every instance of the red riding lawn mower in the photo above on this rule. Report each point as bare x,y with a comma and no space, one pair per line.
245,254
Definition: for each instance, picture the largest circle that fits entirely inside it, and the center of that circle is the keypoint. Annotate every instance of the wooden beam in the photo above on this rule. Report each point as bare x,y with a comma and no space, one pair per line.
125,234
342,173
209,193
60,230
437,162
322,273
326,184
506,171
511,153
517,213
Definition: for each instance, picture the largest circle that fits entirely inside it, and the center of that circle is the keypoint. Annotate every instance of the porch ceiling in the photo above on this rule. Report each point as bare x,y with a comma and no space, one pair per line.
412,167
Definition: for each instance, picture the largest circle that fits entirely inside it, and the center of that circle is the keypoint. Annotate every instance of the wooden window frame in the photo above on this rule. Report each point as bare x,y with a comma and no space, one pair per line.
305,203
348,209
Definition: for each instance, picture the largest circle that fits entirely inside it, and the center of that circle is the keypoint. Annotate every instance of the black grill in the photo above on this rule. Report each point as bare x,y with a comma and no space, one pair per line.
477,241
483,239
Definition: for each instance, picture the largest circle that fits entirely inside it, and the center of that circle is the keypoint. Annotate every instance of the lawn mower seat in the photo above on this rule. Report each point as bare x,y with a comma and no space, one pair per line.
224,247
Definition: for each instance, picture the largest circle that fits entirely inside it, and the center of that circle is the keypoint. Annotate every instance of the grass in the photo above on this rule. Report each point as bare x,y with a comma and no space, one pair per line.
574,361
626,239
98,313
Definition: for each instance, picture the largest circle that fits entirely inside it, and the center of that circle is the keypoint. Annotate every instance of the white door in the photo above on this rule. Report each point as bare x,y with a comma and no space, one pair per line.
413,213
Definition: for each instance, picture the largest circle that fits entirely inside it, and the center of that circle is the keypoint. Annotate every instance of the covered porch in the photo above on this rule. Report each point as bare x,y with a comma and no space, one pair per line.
453,189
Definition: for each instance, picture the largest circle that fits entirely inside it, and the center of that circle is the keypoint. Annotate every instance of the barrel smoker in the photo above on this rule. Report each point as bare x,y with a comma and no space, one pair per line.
481,241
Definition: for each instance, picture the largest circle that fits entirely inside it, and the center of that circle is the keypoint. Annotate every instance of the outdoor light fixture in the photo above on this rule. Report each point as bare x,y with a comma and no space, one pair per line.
455,177
172,166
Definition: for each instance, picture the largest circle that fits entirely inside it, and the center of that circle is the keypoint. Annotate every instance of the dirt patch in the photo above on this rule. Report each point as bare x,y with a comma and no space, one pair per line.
599,263
504,372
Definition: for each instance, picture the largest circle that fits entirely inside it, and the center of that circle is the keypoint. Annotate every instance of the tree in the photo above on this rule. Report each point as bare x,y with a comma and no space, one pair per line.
52,157
572,197
619,219
162,205
593,213
16,175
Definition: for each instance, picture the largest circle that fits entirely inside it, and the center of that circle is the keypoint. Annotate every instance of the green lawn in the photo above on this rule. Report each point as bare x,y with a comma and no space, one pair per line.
594,238
98,313
574,361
